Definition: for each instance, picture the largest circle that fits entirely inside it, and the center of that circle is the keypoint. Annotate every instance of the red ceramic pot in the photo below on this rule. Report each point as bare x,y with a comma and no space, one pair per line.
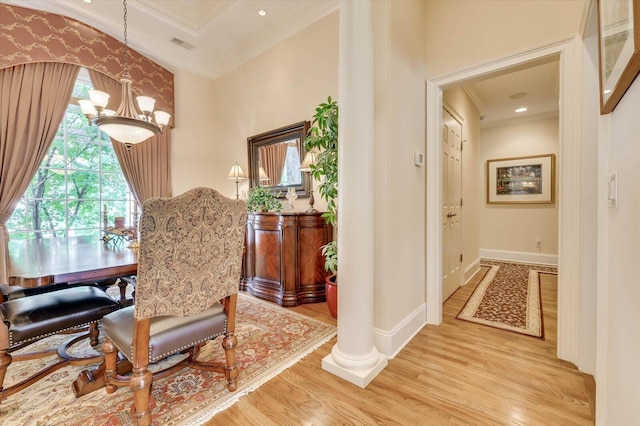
331,290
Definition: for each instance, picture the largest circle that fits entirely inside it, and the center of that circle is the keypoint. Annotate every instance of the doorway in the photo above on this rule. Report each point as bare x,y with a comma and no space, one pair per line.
570,194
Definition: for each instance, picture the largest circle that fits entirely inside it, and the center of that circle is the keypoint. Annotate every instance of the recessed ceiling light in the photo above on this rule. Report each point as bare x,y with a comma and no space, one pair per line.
262,12
87,1
607,91
523,109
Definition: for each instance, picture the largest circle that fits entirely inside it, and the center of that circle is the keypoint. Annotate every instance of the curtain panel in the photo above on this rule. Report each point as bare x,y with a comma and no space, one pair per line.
272,158
147,165
33,100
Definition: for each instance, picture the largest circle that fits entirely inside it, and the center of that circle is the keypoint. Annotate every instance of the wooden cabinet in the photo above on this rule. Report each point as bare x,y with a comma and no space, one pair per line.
283,261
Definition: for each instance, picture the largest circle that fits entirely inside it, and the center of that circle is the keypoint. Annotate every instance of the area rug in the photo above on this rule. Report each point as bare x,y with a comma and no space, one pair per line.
270,339
508,297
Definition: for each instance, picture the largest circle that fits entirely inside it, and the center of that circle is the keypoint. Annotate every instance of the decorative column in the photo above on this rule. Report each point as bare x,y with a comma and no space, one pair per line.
354,357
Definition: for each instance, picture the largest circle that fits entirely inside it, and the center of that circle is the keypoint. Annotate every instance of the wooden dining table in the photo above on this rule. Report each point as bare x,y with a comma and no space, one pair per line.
38,262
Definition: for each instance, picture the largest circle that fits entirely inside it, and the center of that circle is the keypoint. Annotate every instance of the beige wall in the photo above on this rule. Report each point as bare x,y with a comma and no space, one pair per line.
192,142
461,33
618,370
457,100
515,227
399,43
280,87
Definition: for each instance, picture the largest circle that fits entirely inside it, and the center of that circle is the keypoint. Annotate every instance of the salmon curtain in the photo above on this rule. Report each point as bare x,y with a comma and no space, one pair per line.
33,100
147,165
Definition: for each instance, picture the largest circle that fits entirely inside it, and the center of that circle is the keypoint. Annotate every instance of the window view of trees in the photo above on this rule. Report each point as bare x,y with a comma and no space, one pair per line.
78,179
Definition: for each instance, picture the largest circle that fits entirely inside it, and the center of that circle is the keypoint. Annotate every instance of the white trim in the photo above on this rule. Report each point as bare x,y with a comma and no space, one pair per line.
569,199
358,376
392,342
471,270
520,256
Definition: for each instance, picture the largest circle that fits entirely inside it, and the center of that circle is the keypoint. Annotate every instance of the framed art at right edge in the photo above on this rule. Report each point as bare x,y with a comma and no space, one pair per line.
618,48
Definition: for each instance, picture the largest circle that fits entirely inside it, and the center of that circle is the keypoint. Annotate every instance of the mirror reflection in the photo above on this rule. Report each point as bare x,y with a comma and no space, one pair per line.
279,164
275,157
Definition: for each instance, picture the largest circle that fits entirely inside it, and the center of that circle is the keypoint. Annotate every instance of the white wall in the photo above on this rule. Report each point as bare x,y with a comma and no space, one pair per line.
515,227
618,393
280,87
462,106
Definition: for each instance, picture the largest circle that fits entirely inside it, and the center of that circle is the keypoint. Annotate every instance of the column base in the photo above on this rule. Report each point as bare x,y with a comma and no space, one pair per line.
359,377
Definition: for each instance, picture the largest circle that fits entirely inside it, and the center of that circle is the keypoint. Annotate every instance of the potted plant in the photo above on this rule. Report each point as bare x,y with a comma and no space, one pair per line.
260,199
323,138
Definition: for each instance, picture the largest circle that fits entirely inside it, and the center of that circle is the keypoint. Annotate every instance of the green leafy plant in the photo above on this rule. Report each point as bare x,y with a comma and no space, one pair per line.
260,198
330,252
323,138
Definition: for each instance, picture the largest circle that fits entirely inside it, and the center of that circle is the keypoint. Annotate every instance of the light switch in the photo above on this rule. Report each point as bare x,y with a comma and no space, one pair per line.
418,158
613,190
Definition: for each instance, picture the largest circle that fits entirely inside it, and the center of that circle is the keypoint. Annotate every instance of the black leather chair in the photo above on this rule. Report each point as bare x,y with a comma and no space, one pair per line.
29,315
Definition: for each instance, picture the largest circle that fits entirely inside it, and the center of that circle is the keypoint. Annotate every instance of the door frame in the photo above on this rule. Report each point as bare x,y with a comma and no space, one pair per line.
570,252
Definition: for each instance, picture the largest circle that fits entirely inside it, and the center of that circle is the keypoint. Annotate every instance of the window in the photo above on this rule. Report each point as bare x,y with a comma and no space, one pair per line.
79,179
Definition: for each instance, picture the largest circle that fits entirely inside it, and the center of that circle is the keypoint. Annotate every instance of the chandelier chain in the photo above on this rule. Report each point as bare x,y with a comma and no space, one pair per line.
126,46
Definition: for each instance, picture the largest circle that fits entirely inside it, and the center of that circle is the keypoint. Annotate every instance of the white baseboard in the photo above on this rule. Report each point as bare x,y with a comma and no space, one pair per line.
471,270
520,256
392,342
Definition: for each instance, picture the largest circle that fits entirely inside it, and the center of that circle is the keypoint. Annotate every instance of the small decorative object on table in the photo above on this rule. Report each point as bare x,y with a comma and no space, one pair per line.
117,233
292,196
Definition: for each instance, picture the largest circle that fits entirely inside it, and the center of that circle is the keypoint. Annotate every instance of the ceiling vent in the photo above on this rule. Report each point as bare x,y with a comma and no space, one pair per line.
182,43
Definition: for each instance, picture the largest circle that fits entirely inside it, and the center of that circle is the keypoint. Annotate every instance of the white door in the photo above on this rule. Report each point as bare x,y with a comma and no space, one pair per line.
451,205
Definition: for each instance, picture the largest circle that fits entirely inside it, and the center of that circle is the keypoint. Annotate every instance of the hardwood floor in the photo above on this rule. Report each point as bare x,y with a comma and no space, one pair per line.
458,373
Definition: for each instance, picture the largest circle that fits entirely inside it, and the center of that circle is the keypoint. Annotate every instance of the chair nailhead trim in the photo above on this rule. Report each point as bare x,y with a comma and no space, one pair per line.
33,339
175,351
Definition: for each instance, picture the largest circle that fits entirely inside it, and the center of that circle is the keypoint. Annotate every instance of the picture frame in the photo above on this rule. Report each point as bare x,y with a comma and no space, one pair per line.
618,49
522,180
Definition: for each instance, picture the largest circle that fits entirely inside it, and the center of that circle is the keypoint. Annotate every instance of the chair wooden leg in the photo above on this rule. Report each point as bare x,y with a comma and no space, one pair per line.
5,357
141,380
5,361
110,361
229,344
94,333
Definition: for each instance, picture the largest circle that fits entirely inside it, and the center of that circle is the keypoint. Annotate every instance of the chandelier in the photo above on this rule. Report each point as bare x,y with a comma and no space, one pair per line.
125,125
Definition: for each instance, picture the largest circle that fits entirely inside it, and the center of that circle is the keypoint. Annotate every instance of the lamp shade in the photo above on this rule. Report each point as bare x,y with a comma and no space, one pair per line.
307,161
236,172
262,175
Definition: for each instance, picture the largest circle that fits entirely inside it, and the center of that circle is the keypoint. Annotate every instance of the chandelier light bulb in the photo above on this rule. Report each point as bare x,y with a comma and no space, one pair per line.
99,99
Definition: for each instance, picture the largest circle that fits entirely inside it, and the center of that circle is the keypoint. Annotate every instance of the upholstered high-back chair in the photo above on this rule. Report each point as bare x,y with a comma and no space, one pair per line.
188,277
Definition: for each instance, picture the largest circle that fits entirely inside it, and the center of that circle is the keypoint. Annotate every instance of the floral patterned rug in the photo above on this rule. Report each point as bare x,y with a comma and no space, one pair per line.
270,339
508,297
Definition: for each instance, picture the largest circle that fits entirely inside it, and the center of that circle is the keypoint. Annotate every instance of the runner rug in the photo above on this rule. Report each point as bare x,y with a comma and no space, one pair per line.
270,339
508,297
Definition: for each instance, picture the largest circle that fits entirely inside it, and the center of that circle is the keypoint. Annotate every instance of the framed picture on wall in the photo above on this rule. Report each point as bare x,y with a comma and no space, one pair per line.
528,180
618,48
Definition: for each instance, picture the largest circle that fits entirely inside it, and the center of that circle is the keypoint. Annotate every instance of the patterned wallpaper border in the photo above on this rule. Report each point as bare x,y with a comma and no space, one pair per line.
35,36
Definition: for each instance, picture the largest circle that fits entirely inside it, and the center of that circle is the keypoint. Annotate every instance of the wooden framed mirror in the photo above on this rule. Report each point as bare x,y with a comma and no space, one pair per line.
275,157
